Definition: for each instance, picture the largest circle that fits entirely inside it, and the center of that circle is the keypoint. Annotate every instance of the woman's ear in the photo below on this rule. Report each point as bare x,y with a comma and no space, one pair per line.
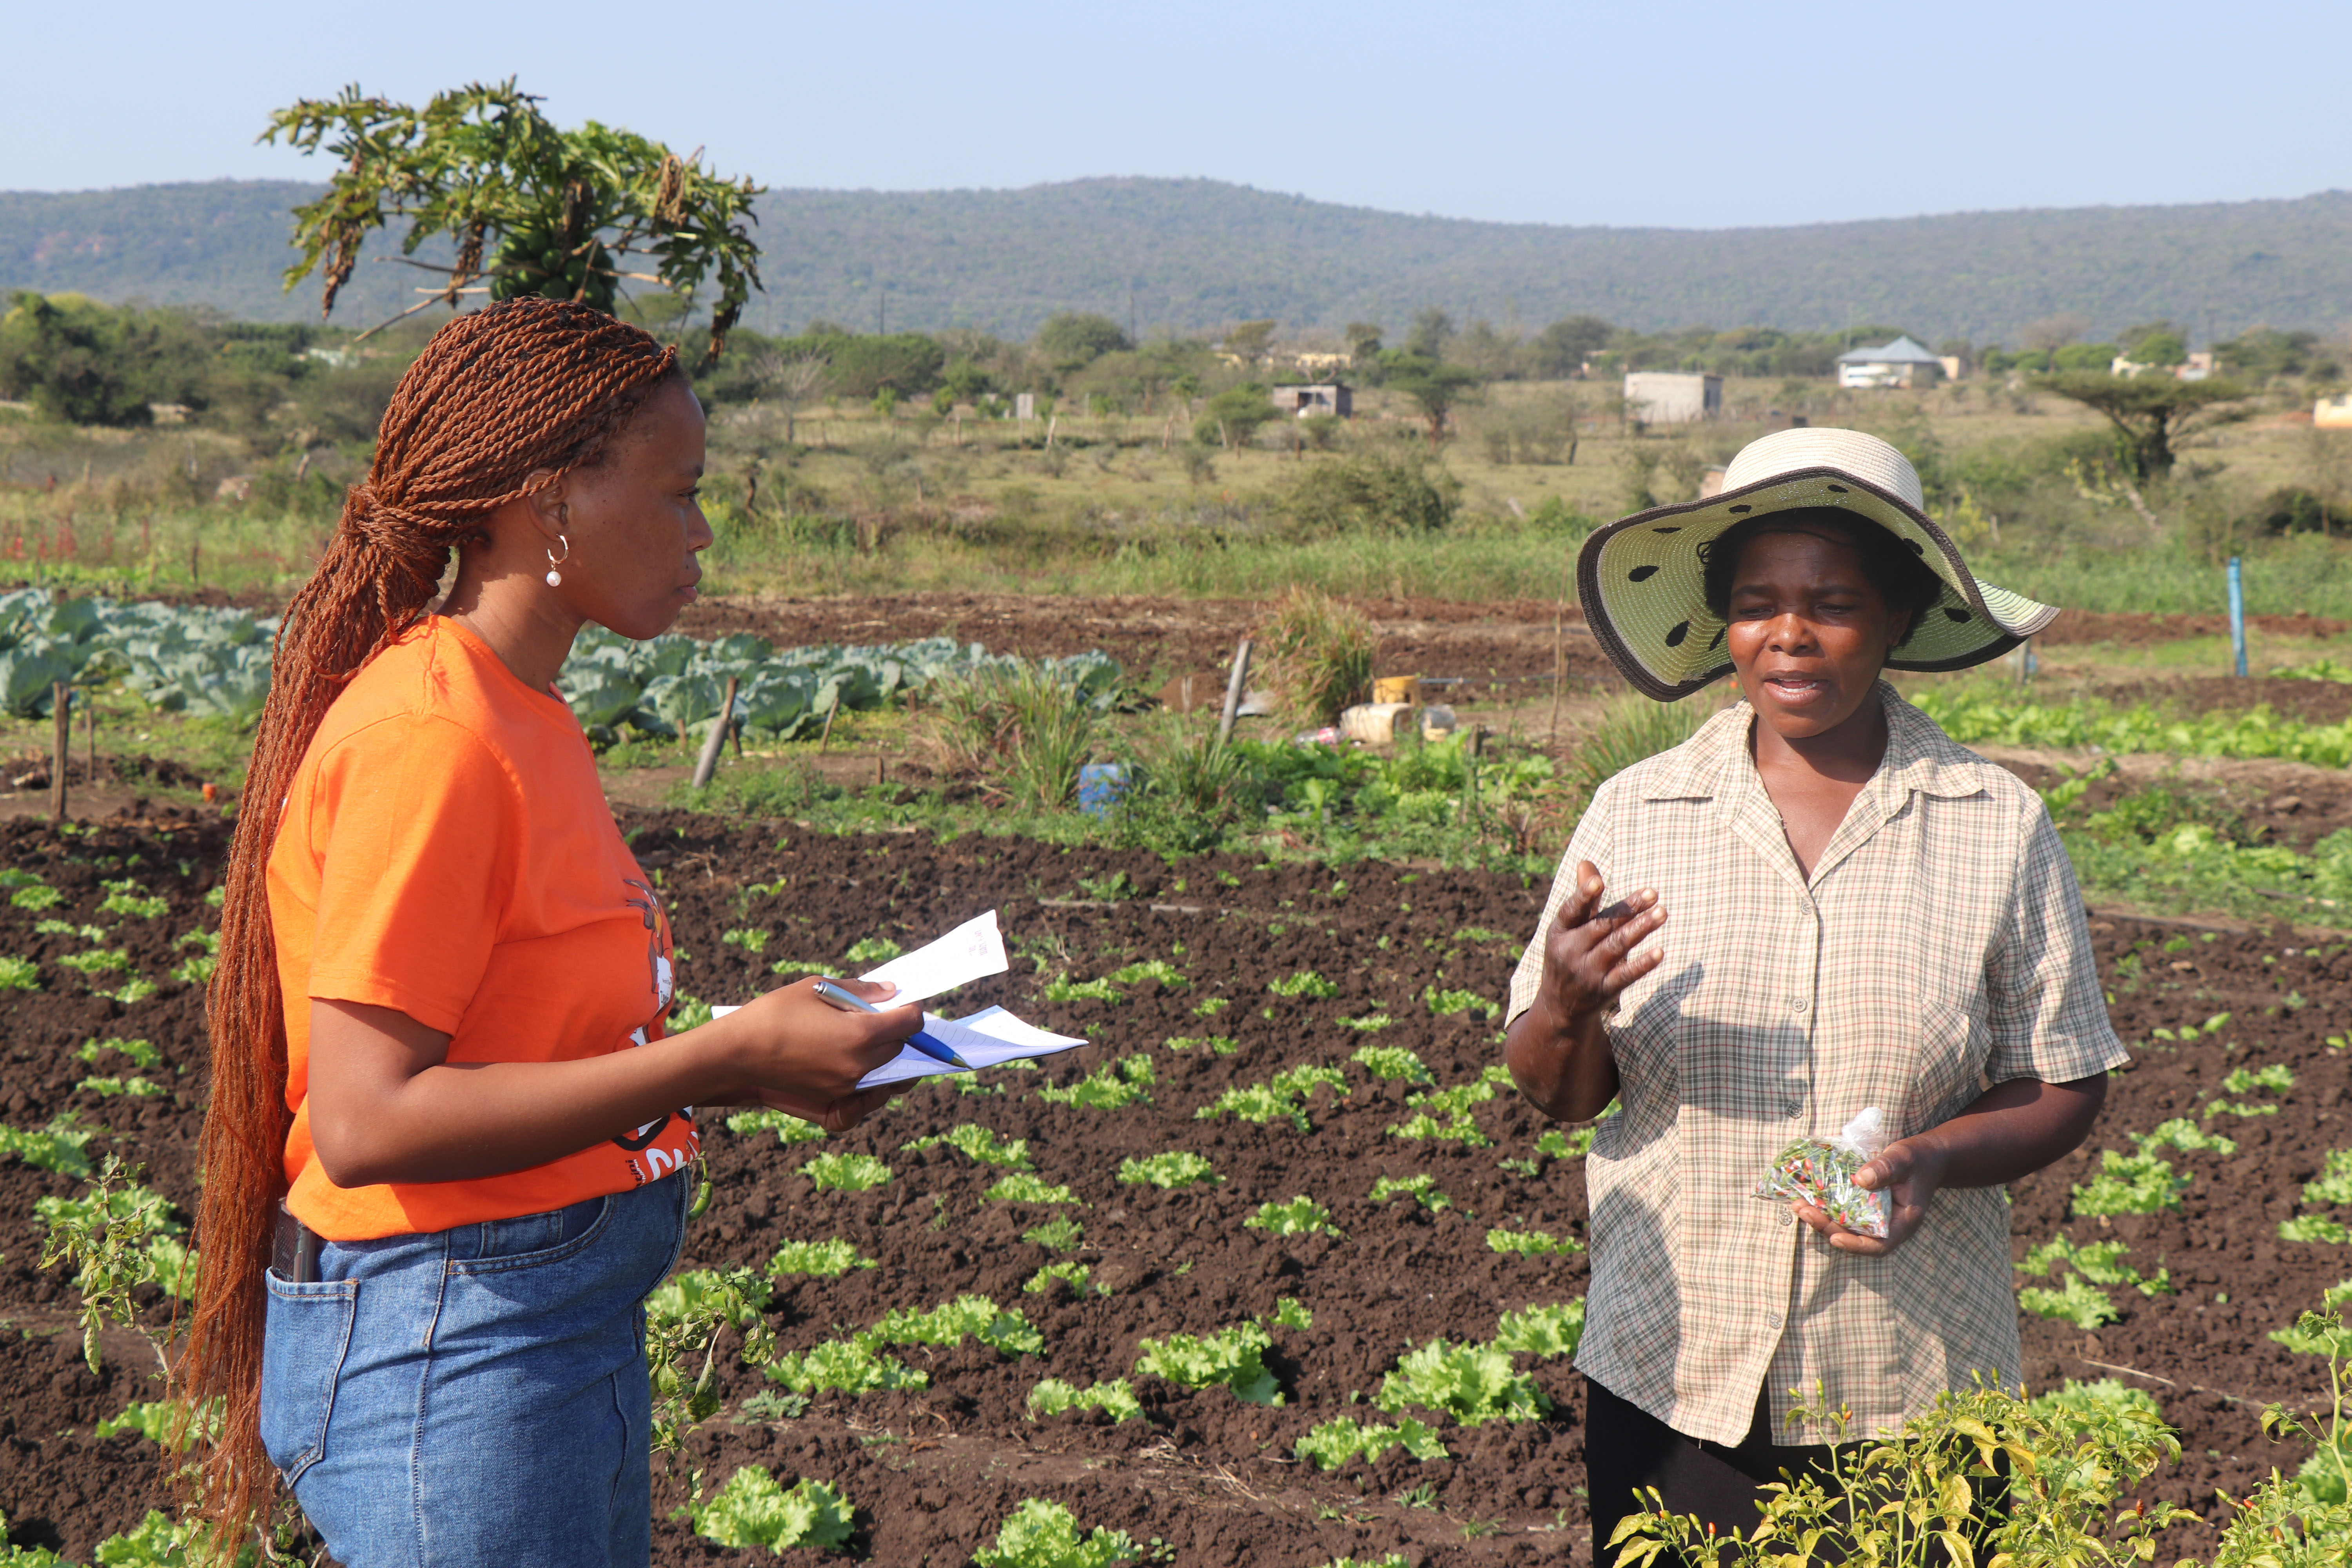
549,508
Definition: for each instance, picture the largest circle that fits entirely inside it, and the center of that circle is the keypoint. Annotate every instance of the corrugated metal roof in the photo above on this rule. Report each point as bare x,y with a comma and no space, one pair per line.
1902,351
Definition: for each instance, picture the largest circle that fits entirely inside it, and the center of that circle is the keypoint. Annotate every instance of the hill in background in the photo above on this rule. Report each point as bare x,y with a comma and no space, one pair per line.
1198,254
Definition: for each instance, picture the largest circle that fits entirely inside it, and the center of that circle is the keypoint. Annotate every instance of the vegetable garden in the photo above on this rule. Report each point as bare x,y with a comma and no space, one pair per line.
1277,1271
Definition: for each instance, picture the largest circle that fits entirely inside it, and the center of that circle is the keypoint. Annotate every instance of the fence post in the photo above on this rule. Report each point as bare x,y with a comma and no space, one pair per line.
61,706
2238,614
1234,685
708,761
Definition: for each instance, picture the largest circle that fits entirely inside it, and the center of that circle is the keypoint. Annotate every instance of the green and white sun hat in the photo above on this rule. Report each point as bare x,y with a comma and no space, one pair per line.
1640,578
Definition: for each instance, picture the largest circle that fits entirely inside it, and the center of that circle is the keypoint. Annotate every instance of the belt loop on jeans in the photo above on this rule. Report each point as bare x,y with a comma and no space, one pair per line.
294,1253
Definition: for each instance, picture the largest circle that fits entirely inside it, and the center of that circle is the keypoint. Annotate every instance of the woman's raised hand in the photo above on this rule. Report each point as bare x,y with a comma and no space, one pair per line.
804,1057
1589,956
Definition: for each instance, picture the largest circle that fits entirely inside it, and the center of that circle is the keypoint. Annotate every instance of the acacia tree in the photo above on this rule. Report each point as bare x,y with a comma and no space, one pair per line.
532,209
1435,388
2151,413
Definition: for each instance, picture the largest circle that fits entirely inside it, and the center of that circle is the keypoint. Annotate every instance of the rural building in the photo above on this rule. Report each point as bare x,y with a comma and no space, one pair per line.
1324,363
1903,362
2334,413
1324,398
1672,397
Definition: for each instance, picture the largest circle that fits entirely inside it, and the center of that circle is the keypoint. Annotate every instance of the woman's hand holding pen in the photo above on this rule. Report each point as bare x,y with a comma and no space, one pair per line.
799,1056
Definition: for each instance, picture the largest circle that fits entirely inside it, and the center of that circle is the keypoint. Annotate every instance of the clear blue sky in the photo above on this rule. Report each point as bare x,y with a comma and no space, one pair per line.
1697,114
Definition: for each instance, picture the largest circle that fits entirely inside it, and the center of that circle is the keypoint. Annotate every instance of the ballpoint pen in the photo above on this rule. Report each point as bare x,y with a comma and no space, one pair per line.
833,996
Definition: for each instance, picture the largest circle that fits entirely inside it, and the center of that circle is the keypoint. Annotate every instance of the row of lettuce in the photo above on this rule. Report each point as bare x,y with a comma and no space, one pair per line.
191,659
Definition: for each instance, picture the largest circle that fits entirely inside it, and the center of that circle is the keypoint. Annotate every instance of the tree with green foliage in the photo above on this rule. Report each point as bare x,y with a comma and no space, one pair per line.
567,214
1235,414
2151,413
1248,341
1076,339
1364,340
1558,350
76,359
1433,330
1435,388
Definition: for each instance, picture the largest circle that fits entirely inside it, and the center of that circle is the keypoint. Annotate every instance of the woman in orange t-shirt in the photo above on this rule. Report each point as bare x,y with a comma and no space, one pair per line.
447,1144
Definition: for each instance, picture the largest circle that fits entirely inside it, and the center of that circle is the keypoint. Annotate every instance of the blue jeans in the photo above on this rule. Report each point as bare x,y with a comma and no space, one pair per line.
475,1396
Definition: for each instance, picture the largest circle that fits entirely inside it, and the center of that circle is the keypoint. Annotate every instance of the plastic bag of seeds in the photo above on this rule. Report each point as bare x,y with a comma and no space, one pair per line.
1820,1171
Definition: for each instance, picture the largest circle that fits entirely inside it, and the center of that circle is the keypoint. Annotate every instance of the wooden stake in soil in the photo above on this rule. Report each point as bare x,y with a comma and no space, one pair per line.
708,761
61,705
89,728
1234,692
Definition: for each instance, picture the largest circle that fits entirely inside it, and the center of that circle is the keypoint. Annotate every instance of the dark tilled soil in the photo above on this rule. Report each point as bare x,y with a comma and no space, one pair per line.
2312,701
932,1473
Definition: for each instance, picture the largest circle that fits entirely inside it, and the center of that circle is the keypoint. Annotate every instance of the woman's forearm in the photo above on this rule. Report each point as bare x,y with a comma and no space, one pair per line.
2013,1129
1565,1068
394,1112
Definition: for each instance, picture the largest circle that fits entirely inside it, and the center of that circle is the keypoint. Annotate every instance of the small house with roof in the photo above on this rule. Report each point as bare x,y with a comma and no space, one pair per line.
1903,362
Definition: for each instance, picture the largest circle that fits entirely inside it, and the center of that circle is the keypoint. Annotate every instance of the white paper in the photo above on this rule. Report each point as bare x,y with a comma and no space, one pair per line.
988,1039
973,951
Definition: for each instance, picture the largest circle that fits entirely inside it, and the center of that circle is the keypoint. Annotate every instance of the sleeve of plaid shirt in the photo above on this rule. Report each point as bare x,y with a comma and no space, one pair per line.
2047,1016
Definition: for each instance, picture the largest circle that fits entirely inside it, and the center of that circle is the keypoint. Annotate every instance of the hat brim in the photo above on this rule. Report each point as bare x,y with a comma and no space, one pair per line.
1641,582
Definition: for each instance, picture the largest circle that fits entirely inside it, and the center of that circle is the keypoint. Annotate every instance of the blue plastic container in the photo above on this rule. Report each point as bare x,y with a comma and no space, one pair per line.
1100,786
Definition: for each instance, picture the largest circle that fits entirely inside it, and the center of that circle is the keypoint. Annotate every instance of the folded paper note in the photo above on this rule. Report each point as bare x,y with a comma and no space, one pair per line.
973,951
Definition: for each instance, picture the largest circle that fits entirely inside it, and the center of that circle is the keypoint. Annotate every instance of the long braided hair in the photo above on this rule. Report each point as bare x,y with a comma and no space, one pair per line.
526,385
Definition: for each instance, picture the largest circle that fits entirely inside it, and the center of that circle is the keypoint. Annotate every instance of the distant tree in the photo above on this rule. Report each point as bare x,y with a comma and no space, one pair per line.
1249,340
1076,339
1235,415
790,380
570,215
1363,340
1435,390
2152,343
2266,352
75,360
1488,352
1433,330
2151,413
1558,350
2053,332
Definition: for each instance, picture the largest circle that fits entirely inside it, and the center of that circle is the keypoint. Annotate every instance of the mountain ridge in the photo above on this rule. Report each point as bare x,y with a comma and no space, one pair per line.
1200,253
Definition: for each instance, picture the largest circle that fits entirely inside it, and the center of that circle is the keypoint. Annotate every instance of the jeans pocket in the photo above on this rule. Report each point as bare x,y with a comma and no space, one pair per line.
309,1332
536,1240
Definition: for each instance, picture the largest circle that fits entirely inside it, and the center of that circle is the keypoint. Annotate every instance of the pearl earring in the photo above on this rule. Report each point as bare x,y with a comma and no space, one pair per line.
555,578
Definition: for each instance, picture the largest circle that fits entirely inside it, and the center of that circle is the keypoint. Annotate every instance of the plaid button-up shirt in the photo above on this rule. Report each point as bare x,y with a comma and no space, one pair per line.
1939,948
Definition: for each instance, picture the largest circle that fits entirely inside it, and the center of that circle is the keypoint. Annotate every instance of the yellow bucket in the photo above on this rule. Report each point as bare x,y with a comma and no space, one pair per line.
1396,688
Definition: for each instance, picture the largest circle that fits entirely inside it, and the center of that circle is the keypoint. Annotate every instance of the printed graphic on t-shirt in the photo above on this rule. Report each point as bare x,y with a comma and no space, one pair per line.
670,1142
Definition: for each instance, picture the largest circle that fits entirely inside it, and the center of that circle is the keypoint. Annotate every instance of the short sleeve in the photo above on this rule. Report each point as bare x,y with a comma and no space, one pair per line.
413,823
2047,1013
1592,841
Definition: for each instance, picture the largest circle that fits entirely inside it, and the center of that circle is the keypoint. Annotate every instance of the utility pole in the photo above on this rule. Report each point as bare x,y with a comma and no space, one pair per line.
1130,313
882,312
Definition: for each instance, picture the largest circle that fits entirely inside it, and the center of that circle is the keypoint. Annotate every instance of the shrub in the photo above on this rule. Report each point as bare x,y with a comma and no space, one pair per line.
849,1173
1026,730
1176,1168
1372,491
827,1259
1052,1397
1234,1357
1318,654
752,1510
1042,1534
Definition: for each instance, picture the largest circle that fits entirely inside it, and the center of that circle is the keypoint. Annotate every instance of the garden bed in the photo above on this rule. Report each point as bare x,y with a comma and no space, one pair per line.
1134,954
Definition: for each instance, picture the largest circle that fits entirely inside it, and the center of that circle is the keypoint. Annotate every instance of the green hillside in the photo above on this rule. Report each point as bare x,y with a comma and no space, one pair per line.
1198,253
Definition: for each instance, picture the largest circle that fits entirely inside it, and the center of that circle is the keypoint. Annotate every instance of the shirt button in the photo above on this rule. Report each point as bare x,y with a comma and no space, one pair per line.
1772,1320
1798,1007
1792,1107
1787,1216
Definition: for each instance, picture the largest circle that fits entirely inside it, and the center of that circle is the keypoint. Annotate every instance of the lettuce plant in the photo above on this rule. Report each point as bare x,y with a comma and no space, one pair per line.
1175,1168
980,1144
1042,1534
1234,1357
1301,1215
1052,1396
1283,1096
1530,1243
789,1129
1021,1187
1334,1443
1108,1086
753,1510
1422,1189
847,1173
828,1259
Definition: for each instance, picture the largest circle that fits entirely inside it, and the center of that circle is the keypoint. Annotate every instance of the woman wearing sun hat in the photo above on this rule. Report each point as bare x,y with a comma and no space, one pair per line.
1864,913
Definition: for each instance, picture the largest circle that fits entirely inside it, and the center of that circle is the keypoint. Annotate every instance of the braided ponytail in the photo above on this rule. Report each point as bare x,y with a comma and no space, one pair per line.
528,385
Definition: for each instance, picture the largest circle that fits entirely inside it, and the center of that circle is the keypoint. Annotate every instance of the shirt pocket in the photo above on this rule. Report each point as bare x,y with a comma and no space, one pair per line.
306,1335
1946,1067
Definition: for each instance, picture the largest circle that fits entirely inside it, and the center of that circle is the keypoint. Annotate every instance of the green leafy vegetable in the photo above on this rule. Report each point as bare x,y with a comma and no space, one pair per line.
1301,1215
1530,1243
1393,1062
1042,1534
1422,1189
1334,1443
1052,1397
753,1510
1021,1187
828,1259
979,1143
1234,1357
1284,1096
847,1173
1176,1168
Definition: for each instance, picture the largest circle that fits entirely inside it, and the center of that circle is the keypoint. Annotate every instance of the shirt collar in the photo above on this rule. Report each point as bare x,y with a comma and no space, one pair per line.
1919,757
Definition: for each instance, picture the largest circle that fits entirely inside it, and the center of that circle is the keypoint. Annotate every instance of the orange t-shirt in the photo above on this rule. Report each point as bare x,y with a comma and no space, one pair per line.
445,850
